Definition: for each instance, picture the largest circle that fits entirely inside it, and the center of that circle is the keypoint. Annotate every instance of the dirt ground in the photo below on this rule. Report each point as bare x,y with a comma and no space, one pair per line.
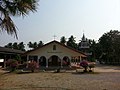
105,78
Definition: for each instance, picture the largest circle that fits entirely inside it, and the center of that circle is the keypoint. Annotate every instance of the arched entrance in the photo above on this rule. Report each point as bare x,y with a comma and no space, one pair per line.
42,61
54,61
66,61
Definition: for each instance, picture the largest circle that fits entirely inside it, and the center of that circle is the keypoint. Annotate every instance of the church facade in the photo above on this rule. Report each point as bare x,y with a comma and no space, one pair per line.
55,54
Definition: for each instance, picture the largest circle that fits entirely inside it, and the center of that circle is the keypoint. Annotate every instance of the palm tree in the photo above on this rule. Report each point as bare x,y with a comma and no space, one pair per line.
72,42
40,44
21,46
30,45
63,40
14,8
15,46
35,45
9,45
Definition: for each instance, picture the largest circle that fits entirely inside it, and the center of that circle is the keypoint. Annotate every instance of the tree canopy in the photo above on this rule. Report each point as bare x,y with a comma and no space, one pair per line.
15,45
63,40
34,45
10,8
110,47
72,42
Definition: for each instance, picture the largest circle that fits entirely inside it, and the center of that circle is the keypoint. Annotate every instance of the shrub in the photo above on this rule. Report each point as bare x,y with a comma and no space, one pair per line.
12,64
84,64
22,66
32,65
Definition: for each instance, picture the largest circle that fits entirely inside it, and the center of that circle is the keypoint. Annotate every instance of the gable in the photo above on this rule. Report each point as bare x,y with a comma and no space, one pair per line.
55,48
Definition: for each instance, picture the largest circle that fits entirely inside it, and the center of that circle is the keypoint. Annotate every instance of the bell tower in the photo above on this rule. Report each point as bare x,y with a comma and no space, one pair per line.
84,45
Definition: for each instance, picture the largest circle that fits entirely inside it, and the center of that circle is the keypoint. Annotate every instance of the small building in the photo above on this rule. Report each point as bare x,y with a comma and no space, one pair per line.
55,53
8,53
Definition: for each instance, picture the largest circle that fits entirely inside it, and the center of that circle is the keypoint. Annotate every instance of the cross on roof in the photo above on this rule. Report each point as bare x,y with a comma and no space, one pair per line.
54,37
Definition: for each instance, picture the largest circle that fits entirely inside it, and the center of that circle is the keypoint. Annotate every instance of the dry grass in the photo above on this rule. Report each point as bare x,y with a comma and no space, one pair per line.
107,78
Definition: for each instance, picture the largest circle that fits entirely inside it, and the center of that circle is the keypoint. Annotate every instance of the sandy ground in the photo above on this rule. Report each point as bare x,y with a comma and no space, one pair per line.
106,78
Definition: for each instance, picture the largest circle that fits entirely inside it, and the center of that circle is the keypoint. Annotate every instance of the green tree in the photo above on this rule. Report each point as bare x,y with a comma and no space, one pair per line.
35,45
15,46
30,45
110,43
63,40
40,44
72,42
21,46
10,8
9,45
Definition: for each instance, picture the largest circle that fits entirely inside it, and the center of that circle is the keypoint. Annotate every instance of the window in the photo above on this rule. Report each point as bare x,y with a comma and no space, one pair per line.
54,47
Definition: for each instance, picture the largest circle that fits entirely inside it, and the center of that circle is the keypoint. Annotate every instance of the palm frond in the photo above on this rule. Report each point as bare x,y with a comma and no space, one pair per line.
14,8
8,25
21,7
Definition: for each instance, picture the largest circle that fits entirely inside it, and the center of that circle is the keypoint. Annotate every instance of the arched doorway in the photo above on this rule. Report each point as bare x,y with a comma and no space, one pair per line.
66,61
54,61
42,61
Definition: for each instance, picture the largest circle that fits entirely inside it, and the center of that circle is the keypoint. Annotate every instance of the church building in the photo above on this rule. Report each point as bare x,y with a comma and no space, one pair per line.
55,53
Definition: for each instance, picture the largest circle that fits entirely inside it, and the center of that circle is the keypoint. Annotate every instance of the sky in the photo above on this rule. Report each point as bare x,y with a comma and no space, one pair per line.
66,18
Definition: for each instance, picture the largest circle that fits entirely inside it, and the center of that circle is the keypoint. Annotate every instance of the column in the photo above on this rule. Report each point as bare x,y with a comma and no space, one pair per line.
61,63
5,62
38,61
80,58
27,61
74,59
70,61
46,63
